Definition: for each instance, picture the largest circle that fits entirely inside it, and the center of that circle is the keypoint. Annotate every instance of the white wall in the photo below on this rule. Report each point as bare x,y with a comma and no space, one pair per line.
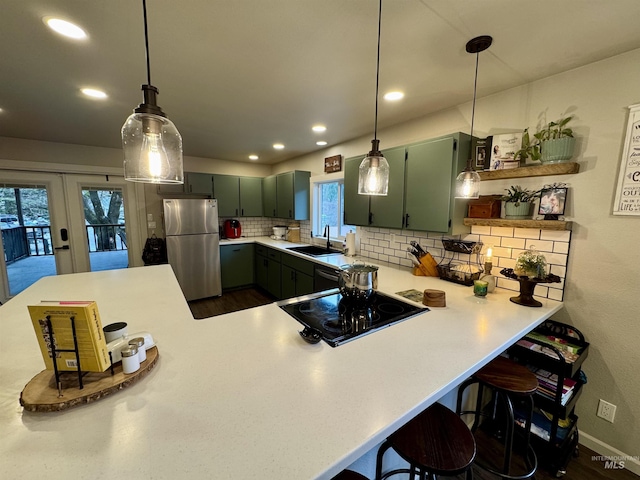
601,293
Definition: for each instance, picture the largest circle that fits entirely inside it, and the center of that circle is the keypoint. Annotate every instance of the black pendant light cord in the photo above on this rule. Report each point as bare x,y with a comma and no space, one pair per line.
375,125
475,85
146,41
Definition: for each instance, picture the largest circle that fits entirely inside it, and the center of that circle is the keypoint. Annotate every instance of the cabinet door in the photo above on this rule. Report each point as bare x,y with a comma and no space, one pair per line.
274,278
428,185
169,188
262,271
269,200
288,282
356,206
304,284
199,183
226,189
386,211
251,196
237,265
284,195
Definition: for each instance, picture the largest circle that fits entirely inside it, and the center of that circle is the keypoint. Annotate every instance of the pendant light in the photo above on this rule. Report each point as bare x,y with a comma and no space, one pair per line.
152,145
373,174
468,182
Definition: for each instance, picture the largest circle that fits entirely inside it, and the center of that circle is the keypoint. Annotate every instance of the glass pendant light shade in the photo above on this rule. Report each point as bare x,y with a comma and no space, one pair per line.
468,184
373,173
152,149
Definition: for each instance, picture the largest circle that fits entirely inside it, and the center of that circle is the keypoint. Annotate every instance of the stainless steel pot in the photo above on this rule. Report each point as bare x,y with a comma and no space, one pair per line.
358,281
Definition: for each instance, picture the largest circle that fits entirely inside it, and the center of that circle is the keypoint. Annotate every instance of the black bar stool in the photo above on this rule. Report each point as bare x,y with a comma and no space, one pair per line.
508,381
349,475
436,442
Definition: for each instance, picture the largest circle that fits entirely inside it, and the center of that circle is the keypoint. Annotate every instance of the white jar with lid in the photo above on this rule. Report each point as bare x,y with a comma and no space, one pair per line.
139,343
130,361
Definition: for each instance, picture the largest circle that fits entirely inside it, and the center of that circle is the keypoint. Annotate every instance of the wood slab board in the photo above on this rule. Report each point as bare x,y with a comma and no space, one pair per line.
41,393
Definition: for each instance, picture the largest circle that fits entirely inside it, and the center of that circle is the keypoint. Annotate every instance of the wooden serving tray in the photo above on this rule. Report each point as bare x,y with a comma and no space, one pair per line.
41,393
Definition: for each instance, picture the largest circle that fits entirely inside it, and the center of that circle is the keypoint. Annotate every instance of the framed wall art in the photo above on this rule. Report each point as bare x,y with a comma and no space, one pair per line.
552,201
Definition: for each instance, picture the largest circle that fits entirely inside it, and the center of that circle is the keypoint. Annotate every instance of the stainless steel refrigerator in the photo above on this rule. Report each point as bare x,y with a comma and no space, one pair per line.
193,245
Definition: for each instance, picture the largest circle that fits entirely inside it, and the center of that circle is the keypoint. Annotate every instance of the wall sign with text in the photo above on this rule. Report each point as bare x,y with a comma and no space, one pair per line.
333,164
627,200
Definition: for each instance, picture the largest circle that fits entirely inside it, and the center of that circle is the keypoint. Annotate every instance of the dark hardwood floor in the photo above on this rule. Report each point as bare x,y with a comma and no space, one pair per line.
586,466
230,301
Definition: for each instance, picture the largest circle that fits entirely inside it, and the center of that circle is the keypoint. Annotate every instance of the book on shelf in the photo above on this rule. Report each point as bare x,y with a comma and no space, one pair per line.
92,347
567,350
548,384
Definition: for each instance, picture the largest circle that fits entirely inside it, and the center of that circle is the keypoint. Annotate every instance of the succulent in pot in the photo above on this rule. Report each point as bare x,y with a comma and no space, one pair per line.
519,201
532,264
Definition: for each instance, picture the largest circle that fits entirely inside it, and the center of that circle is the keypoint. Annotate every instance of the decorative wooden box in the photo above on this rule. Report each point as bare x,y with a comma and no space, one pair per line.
485,206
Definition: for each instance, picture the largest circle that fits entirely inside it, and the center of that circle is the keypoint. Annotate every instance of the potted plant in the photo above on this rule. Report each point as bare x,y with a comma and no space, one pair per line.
530,148
530,269
556,142
518,202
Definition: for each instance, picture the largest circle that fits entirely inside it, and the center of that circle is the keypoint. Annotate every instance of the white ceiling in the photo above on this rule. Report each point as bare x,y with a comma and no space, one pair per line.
236,76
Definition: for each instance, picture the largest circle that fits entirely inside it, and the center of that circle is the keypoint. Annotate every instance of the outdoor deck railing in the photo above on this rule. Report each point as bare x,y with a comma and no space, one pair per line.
25,241
106,237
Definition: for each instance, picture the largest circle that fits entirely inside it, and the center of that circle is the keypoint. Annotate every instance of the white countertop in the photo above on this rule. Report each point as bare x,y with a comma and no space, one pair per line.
242,395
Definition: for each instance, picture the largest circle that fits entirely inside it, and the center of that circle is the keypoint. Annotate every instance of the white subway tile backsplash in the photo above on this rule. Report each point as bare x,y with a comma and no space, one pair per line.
556,294
512,242
540,245
556,259
502,231
501,252
561,247
557,235
481,230
526,232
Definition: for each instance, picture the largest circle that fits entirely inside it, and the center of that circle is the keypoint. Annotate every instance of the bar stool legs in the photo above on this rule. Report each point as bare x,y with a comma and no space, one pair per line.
507,381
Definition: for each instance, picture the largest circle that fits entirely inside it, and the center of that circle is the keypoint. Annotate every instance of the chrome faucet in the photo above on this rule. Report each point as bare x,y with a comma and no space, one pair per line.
326,234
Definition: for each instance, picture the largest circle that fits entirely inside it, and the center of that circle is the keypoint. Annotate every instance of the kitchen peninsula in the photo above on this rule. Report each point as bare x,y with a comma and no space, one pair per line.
242,395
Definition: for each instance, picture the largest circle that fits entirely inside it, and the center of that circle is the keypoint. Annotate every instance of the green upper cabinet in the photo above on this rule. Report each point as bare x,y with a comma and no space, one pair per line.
430,174
286,195
238,196
386,211
269,200
356,206
194,183
250,196
226,189
199,183
375,210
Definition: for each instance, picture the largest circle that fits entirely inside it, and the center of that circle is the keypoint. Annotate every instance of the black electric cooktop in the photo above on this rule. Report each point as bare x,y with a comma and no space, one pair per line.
337,320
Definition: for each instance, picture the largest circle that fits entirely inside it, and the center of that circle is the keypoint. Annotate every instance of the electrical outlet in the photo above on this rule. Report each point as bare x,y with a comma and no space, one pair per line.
606,410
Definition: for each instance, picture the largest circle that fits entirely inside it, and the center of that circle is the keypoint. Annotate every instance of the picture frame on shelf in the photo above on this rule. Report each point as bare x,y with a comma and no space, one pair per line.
553,200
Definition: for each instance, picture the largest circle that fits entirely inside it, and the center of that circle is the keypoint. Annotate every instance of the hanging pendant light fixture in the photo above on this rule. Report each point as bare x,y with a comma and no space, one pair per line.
152,145
373,174
468,182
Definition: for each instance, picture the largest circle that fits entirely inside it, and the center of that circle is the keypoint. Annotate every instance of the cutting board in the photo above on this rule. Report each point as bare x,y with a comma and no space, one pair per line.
41,393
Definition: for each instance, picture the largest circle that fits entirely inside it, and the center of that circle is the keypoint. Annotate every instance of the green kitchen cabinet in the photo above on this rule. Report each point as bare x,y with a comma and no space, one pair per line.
374,210
297,276
238,196
226,189
269,197
430,174
199,184
268,270
292,195
356,206
250,196
237,265
194,184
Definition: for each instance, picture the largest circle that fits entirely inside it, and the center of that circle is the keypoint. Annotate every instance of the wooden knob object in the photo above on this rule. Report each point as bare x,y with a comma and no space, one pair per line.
434,298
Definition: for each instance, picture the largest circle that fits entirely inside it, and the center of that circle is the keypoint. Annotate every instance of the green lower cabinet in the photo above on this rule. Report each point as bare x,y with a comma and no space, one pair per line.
295,283
268,273
237,265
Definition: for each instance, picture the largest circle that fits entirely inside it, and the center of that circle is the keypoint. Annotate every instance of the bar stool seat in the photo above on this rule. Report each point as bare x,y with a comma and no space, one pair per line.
349,475
436,442
508,381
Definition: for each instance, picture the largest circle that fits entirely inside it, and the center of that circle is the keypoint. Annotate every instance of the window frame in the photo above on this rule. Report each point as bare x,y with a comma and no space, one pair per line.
316,183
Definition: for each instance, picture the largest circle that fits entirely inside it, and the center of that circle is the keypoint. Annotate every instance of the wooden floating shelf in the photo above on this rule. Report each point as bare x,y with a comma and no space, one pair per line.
505,222
564,168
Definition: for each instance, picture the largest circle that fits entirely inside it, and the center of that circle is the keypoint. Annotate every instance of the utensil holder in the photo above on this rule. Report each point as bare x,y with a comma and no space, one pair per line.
428,267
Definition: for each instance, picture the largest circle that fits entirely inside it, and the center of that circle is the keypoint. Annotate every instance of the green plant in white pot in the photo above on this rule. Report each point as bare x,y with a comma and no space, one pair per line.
557,142
519,202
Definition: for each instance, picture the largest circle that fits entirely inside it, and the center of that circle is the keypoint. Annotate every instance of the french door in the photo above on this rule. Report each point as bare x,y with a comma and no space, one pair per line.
56,223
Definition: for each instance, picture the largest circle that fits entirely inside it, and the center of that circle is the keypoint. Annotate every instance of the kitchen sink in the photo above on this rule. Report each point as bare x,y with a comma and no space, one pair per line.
314,250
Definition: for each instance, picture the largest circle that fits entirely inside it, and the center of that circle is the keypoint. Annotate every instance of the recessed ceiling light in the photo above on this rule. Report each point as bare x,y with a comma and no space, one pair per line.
253,157
65,28
93,93
322,143
319,128
393,96
278,146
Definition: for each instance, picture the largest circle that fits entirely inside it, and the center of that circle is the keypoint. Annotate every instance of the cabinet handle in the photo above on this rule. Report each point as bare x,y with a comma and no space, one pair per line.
274,212
242,212
406,222
290,215
370,218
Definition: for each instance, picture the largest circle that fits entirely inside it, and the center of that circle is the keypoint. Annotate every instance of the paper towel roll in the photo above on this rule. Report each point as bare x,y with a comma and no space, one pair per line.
351,244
